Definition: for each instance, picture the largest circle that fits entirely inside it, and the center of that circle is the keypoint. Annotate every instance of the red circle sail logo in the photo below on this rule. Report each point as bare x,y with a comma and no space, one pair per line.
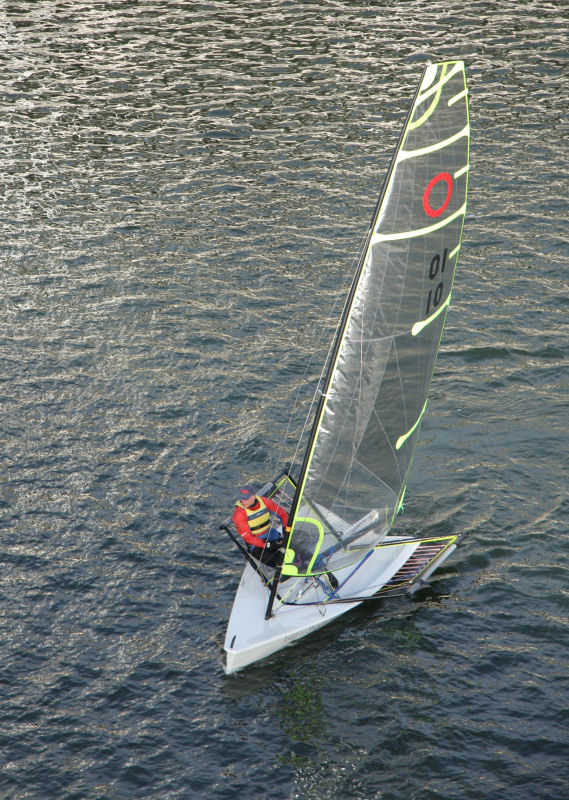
436,212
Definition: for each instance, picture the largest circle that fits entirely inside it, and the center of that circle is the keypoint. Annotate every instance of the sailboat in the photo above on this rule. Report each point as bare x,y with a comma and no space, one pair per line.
341,546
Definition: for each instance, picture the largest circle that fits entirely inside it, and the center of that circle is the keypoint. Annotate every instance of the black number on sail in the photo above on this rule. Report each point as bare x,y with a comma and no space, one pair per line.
434,297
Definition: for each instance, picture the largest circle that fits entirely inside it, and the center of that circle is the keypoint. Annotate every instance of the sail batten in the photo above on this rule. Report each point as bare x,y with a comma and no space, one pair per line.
418,326
360,452
405,154
461,171
458,97
392,237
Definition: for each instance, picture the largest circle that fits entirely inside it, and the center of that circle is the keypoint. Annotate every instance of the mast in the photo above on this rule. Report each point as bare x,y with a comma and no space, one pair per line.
337,344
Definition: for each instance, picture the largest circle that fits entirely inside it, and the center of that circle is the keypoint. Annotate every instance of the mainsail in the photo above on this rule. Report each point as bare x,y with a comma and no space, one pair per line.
358,459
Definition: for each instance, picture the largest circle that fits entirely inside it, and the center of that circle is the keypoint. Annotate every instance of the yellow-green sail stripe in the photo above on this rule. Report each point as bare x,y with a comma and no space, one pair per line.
390,237
405,154
402,439
431,108
458,67
290,569
400,500
418,326
457,97
454,252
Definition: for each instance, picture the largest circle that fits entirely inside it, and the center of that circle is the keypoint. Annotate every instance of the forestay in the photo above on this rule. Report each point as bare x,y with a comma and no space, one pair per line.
356,467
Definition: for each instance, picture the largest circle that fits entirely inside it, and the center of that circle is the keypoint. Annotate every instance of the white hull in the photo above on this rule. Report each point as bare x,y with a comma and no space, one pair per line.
250,637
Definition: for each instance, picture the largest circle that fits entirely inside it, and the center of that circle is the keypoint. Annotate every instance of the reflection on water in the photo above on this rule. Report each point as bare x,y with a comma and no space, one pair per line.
186,189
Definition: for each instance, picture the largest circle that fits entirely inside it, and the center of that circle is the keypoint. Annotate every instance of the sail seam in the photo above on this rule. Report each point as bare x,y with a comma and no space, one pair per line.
387,439
376,477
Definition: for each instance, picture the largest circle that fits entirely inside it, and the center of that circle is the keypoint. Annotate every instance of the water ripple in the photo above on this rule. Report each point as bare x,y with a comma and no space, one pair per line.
186,188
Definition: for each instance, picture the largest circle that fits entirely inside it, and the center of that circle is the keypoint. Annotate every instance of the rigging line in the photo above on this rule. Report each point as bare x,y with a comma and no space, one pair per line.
322,332
377,595
282,599
377,478
353,572
402,398
356,440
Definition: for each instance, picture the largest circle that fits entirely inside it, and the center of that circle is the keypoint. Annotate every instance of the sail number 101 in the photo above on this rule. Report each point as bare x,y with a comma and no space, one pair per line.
436,271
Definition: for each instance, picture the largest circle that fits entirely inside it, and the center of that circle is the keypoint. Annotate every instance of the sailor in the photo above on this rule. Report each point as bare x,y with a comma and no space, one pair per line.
255,517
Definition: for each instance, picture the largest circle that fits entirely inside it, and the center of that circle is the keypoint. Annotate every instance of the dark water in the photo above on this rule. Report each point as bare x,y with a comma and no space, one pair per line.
186,186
